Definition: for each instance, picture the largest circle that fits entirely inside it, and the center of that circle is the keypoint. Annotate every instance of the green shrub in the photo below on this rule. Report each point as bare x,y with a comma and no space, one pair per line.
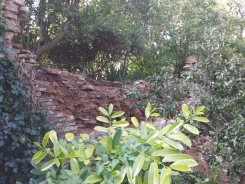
143,154
19,127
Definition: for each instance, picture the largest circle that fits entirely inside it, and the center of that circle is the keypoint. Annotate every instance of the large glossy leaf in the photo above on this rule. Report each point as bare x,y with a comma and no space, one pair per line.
69,136
38,145
101,129
176,157
129,175
143,130
110,109
165,152
150,126
74,166
116,138
189,162
102,119
135,121
175,126
199,110
40,157
186,111
165,177
89,151
180,136
148,110
201,119
191,129
153,176
181,167
103,111
120,124
164,130
37,154
138,164
53,136
174,144
93,179
45,139
47,165
117,114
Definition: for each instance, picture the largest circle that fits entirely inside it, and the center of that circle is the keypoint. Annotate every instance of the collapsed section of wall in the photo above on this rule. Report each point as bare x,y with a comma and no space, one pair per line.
73,102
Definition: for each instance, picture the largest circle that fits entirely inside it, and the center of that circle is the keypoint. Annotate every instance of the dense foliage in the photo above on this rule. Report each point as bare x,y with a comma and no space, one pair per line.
144,154
19,127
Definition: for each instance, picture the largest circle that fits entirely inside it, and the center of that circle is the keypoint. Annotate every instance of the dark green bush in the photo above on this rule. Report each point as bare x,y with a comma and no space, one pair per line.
19,127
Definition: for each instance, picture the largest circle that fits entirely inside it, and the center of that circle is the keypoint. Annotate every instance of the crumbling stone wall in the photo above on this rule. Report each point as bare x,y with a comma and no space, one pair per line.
71,101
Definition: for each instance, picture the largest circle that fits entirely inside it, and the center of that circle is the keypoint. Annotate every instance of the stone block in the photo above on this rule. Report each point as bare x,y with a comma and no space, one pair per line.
50,112
45,99
10,7
17,46
41,89
25,52
9,36
23,10
88,87
59,115
38,94
10,15
70,129
53,71
19,2
23,18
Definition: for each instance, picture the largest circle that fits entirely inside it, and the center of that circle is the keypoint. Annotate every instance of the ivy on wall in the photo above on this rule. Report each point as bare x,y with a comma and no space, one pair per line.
19,127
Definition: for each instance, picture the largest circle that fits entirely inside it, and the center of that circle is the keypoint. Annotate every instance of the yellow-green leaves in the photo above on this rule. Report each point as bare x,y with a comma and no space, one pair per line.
102,119
153,176
165,177
149,111
138,164
117,114
74,166
135,121
201,119
116,138
191,129
186,111
47,165
69,136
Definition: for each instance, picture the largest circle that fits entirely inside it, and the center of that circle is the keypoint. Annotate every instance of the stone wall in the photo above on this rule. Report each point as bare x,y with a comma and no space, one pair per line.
71,102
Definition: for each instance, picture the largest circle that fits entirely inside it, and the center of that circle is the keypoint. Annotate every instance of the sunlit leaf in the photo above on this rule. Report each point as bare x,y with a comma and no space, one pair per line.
191,129
137,166
89,151
102,119
153,176
101,129
53,136
201,119
110,109
69,136
116,138
103,111
181,167
176,157
174,144
135,121
117,114
120,124
165,177
47,165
